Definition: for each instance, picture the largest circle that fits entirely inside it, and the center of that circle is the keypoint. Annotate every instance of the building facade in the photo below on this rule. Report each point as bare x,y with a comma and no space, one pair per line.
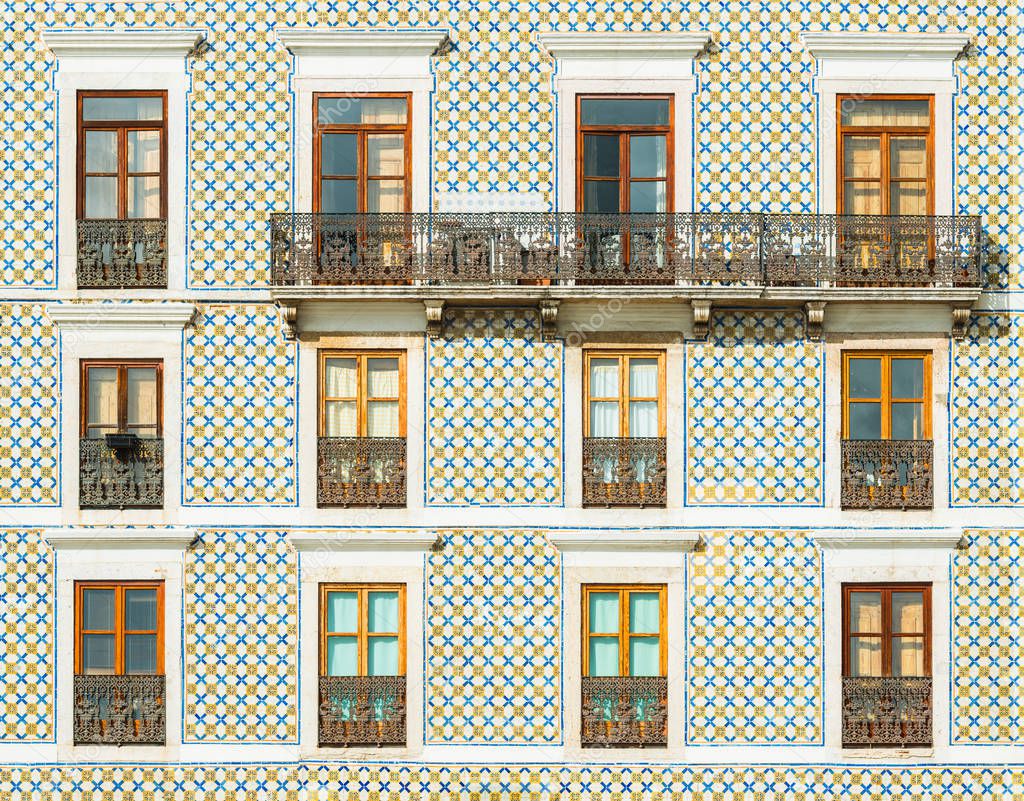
492,400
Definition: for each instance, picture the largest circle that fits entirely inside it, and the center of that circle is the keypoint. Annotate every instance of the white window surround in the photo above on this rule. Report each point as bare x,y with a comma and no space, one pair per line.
118,554
355,557
624,63
362,62
122,59
865,64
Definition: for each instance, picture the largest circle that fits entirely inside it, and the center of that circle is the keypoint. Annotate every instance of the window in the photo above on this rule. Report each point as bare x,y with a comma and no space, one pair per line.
122,155
362,153
362,630
624,146
885,155
625,630
624,394
119,628
886,396
363,394
122,398
886,630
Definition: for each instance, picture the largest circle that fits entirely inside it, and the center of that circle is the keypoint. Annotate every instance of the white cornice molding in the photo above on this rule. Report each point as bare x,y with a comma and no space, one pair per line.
628,540
328,541
120,316
885,46
895,539
678,46
119,539
377,43
117,42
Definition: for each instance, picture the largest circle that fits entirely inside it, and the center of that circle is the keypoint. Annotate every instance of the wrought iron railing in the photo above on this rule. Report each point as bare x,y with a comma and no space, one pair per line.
116,254
576,248
119,710
624,471
624,711
362,710
892,711
887,474
129,475
361,471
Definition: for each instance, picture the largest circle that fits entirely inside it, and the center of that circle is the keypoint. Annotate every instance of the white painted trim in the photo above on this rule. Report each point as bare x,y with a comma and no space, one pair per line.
863,539
121,42
326,541
876,46
121,316
678,46
335,43
115,539
625,540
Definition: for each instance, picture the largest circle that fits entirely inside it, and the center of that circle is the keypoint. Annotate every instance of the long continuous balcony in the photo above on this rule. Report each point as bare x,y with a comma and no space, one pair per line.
887,474
119,710
121,473
362,710
570,249
624,471
887,711
624,711
361,471
122,254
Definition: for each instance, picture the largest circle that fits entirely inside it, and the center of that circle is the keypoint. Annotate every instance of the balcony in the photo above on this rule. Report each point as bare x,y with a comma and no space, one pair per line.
122,254
362,710
887,474
624,471
121,472
119,710
361,471
887,711
624,711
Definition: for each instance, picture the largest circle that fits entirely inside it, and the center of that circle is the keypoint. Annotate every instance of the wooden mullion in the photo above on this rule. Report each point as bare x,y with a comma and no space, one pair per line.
623,632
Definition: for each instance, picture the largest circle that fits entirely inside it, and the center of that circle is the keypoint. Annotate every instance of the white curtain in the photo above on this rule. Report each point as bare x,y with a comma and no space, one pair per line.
340,419
604,419
382,378
340,378
102,398
643,419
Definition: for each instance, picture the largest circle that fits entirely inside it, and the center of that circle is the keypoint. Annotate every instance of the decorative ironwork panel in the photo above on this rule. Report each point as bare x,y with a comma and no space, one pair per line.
887,711
119,478
362,710
624,471
122,254
361,471
887,474
624,711
120,710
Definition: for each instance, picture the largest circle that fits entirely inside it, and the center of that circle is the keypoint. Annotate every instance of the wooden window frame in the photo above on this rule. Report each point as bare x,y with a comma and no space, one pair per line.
363,635
884,133
886,635
885,401
123,366
122,127
623,132
623,398
119,631
361,398
624,634
362,131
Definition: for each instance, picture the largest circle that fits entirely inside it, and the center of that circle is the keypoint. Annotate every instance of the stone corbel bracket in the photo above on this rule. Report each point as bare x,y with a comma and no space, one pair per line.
701,317
961,319
814,319
549,319
435,317
289,320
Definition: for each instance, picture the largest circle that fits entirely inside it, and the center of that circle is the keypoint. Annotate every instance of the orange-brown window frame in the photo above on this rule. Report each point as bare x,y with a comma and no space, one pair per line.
122,127
362,130
624,633
621,131
361,398
120,632
624,397
885,133
122,391
363,634
887,635
885,401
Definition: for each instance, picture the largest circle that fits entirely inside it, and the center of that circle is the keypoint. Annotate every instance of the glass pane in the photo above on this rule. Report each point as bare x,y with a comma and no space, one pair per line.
102,399
643,378
862,198
604,419
907,378
646,196
382,656
354,110
98,654
644,613
908,613
342,656
382,378
865,656
600,156
143,151
643,418
98,610
865,420
383,611
340,419
339,154
644,656
338,110
604,612
144,197
908,656
385,154
122,108
908,157
865,378
604,378
142,401
341,376
624,111
100,198
604,656
101,151
891,113
342,611
648,157
338,197
601,197
382,419
140,653
862,157
385,196
907,421
140,610
909,198
866,611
